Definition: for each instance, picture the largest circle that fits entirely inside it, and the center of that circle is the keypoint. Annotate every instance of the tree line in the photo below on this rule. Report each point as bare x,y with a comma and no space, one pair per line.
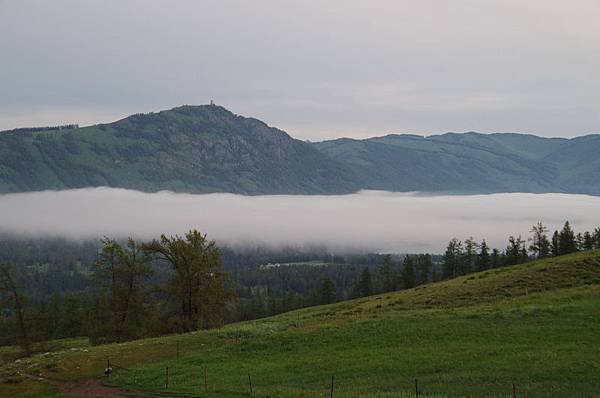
119,290
123,305
461,258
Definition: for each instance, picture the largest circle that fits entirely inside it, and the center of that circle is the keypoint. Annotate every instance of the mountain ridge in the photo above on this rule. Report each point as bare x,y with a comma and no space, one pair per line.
207,148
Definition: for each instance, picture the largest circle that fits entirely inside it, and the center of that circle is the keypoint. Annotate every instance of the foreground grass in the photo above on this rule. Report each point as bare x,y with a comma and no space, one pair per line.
536,325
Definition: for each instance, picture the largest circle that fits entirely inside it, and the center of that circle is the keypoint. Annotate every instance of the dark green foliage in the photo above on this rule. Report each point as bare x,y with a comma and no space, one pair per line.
326,292
540,245
483,260
516,252
567,242
452,259
120,274
364,287
409,279
555,244
386,275
198,282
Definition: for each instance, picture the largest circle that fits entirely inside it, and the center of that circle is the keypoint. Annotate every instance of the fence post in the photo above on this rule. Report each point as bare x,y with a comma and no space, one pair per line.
250,383
417,388
108,368
331,393
167,379
514,391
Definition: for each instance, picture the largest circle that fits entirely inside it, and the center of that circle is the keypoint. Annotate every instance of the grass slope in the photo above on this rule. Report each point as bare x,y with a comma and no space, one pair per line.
536,325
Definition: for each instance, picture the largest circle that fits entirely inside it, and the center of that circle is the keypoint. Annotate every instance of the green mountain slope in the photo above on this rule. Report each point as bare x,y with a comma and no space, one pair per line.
190,149
202,149
535,325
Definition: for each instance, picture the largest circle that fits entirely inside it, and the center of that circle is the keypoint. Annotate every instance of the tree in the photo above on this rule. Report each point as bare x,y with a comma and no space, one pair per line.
14,296
424,266
596,237
326,291
198,284
516,253
408,272
364,287
588,241
540,245
483,260
452,259
470,257
567,242
386,274
495,258
555,244
120,273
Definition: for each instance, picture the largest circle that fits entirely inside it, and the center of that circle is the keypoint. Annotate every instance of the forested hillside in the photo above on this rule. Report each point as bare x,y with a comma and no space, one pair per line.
201,149
187,149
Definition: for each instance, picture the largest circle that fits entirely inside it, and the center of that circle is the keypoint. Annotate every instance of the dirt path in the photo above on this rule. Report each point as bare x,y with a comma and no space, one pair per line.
87,388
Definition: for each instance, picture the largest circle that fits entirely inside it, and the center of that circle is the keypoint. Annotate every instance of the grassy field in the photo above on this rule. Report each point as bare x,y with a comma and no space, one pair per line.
536,325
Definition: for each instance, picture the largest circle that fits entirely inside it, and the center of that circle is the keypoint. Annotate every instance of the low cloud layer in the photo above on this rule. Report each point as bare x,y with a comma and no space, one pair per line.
368,220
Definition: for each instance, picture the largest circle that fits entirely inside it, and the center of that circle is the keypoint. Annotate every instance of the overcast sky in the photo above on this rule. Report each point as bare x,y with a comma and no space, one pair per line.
317,69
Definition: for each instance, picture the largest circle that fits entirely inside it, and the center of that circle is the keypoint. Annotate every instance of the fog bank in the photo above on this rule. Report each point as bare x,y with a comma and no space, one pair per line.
368,220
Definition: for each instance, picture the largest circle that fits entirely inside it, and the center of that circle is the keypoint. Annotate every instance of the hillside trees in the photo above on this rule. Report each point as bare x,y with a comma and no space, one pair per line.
198,283
386,274
120,273
364,287
540,245
566,240
12,297
408,273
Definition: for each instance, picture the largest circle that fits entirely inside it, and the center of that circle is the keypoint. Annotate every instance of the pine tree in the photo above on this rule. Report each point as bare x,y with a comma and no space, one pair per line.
327,291
470,256
540,245
452,259
386,274
408,272
596,237
555,244
364,287
495,258
516,253
424,266
588,241
567,242
483,260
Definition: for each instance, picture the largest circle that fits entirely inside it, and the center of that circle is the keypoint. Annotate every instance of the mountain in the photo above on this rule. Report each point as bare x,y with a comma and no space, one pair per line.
207,148
472,162
189,149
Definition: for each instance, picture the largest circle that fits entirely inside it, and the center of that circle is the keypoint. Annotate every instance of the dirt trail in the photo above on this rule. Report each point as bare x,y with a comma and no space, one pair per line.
87,388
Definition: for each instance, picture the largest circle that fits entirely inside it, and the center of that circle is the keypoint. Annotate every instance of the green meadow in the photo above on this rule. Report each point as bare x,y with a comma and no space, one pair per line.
535,325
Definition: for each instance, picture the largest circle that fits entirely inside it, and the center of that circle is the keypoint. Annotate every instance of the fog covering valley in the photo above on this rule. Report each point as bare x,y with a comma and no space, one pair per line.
368,220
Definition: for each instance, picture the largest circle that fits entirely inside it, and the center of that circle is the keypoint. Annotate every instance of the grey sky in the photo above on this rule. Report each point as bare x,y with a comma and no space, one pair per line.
317,69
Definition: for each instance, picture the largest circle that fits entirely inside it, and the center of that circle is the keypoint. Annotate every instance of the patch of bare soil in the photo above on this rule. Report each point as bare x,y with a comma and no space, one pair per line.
90,388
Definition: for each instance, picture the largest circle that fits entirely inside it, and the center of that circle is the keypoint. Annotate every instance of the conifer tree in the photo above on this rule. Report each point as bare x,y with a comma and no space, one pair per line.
540,245
483,260
555,244
566,241
364,287
408,272
386,274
